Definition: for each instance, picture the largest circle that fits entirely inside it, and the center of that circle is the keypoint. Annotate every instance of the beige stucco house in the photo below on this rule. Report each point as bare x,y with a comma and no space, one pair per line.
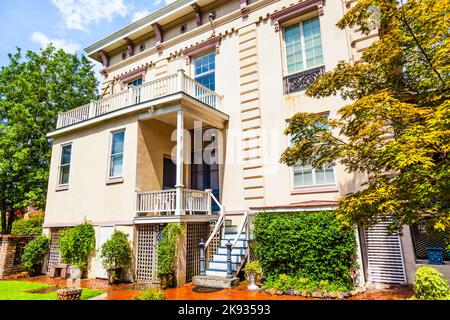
195,99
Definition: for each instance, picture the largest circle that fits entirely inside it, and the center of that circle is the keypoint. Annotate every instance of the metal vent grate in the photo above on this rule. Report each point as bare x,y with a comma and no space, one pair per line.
195,233
146,262
385,257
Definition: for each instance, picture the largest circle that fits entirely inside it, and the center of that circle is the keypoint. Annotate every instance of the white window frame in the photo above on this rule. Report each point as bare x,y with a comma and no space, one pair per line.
195,76
60,165
110,155
314,185
299,21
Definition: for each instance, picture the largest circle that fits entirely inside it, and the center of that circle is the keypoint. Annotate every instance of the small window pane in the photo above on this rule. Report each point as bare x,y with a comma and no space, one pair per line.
117,142
116,166
64,175
66,154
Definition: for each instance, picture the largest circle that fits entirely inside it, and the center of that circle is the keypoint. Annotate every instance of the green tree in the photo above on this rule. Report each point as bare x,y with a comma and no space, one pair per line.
396,129
34,88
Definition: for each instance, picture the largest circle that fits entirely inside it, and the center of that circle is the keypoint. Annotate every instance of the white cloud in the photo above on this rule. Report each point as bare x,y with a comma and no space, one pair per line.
79,14
43,41
139,15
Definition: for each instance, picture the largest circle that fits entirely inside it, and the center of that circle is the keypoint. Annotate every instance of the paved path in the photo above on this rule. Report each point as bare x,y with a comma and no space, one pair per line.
189,292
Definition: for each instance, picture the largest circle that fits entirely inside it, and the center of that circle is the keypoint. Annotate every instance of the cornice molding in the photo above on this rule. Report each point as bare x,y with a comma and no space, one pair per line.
294,10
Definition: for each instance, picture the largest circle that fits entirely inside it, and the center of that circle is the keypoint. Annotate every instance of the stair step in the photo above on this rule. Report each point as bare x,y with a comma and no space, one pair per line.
221,265
228,223
235,251
240,243
223,258
216,273
232,236
219,282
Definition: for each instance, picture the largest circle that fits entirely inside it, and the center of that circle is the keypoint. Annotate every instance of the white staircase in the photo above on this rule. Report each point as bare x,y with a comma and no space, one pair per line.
218,266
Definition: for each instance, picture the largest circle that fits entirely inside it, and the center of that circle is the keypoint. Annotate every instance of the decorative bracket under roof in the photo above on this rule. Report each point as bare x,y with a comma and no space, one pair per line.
198,14
105,58
130,47
244,8
294,10
212,43
159,36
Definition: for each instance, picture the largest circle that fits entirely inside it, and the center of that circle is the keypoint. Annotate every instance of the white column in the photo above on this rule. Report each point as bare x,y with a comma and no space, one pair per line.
180,163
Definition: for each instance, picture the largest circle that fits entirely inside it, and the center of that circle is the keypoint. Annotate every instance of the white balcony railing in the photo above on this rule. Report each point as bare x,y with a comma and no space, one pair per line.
147,92
164,202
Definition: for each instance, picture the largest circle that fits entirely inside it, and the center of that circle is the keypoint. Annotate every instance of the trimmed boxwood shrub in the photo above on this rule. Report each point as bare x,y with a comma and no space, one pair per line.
77,244
430,284
304,245
116,252
34,254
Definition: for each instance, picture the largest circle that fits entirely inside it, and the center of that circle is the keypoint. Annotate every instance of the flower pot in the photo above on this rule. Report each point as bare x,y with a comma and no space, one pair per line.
114,275
252,286
166,281
435,255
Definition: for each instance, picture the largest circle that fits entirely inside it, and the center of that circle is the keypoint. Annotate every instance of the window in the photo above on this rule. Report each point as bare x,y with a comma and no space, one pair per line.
136,82
64,165
116,158
307,176
303,45
205,70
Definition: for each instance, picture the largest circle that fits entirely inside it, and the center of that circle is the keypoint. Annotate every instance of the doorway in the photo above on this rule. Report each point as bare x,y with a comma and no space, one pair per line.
169,174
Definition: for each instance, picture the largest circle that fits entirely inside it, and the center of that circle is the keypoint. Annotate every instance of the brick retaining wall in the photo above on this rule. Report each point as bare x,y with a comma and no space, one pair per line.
11,249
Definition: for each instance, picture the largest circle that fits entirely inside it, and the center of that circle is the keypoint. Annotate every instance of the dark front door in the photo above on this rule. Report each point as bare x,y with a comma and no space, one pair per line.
205,176
170,174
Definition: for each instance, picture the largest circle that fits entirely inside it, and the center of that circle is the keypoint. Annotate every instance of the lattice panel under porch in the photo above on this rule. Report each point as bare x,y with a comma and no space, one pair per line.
146,262
195,233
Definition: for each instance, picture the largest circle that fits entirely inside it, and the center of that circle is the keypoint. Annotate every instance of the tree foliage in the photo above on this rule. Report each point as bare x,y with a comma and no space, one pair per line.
34,88
396,129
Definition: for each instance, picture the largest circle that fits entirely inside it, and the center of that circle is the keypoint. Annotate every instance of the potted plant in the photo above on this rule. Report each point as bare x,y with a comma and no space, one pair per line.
167,254
253,271
116,256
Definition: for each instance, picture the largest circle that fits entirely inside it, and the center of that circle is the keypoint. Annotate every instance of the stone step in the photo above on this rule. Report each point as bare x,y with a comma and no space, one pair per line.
236,251
217,273
240,243
223,258
221,265
219,282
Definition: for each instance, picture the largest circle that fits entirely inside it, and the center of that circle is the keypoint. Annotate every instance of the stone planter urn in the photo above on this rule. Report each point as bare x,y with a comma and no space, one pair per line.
69,294
252,286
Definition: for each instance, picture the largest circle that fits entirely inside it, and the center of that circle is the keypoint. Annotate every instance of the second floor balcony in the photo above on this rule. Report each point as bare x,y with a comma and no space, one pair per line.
154,91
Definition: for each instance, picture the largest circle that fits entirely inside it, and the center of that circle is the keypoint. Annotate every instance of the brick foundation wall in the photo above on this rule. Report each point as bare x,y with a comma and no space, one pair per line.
11,249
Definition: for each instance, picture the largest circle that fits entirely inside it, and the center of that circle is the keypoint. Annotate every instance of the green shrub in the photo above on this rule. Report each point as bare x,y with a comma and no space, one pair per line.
30,226
430,284
167,250
285,282
151,294
34,254
116,252
77,244
305,245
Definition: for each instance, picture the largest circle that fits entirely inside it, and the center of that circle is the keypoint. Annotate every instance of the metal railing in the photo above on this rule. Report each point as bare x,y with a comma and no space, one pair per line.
134,95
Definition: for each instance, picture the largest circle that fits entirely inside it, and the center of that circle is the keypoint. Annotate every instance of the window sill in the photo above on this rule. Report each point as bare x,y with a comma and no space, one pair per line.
62,188
315,189
113,181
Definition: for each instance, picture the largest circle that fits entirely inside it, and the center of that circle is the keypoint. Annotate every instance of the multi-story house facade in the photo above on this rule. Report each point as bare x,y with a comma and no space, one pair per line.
190,129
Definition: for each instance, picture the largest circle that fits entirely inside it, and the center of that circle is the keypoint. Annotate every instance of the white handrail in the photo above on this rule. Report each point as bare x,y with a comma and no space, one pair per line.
219,223
241,229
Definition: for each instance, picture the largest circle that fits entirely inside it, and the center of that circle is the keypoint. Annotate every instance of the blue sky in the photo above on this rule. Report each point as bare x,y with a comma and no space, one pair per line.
69,24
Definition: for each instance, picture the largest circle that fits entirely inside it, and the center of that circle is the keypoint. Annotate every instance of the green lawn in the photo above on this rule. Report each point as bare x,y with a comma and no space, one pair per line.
18,290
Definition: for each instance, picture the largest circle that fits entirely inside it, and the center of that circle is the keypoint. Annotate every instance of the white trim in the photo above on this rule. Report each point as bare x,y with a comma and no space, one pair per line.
110,155
297,209
59,185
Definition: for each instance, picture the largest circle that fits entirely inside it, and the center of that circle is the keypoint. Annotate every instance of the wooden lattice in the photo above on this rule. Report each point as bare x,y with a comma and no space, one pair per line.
195,233
214,244
146,262
54,255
